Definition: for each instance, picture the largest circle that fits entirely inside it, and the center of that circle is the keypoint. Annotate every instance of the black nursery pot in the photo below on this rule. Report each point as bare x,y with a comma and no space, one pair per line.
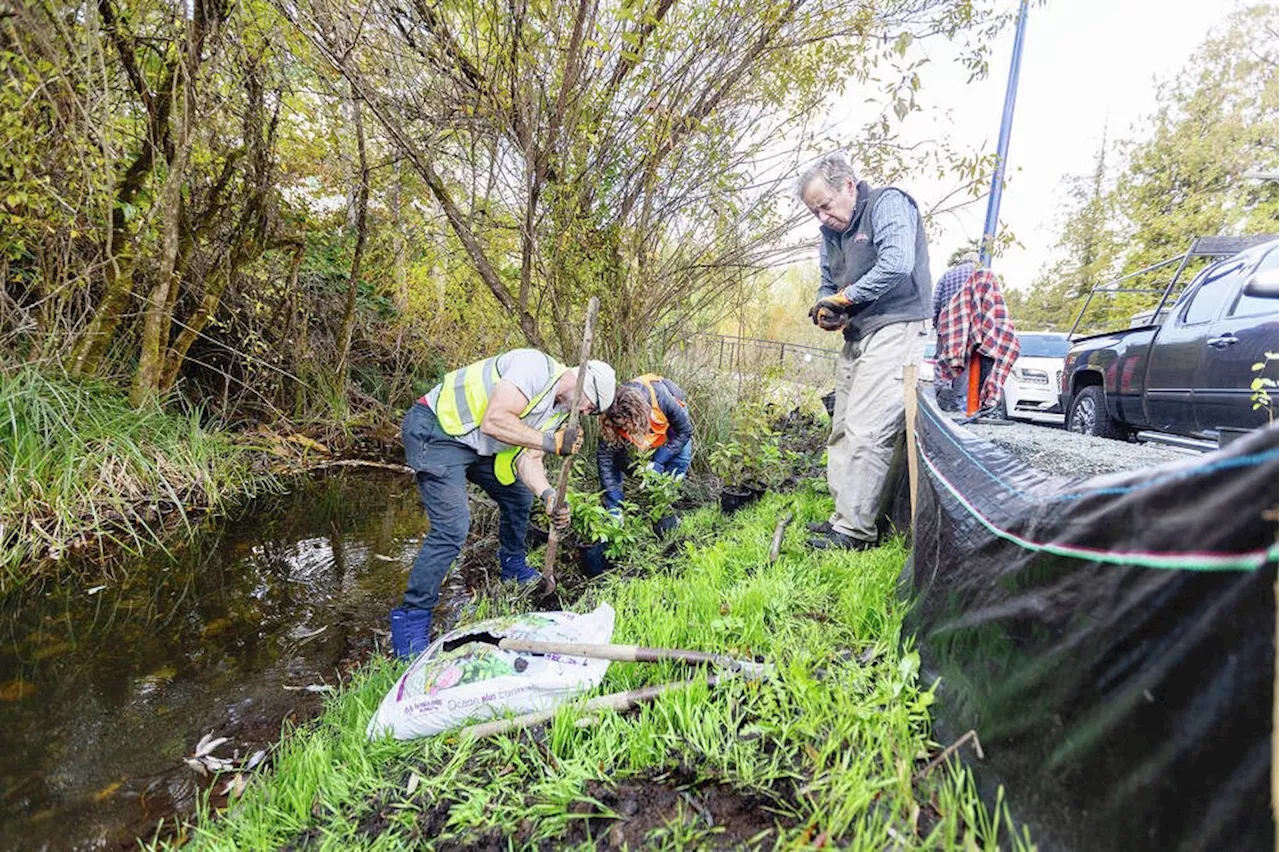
591,557
665,525
535,535
733,499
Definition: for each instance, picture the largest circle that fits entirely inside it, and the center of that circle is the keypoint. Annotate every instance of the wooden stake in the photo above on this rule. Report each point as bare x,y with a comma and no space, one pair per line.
619,701
949,750
913,463
584,355
776,548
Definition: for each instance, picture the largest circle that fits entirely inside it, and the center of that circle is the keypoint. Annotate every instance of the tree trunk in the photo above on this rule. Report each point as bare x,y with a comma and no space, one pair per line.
361,226
87,354
399,246
288,345
156,316
192,329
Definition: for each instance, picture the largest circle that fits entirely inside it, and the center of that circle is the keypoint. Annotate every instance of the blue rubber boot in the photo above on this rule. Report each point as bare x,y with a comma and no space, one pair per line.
516,570
410,629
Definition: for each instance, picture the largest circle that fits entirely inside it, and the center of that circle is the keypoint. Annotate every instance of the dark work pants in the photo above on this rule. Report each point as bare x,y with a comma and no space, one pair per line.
954,395
443,466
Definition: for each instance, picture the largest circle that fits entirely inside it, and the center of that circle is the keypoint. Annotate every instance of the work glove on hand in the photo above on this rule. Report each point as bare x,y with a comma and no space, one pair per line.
829,320
559,519
563,442
828,313
653,467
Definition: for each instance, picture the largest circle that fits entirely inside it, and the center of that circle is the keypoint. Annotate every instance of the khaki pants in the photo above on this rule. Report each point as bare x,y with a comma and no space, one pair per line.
867,422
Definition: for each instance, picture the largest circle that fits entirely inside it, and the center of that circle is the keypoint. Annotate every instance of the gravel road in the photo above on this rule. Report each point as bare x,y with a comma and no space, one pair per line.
1056,451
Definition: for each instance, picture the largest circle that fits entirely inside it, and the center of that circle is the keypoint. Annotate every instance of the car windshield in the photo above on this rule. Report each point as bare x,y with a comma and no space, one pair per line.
1043,346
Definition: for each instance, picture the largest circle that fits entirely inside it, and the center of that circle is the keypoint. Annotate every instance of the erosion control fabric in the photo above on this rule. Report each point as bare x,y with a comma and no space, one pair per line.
1111,639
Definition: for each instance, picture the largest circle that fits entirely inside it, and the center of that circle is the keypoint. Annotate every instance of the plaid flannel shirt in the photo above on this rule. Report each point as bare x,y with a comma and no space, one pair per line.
976,317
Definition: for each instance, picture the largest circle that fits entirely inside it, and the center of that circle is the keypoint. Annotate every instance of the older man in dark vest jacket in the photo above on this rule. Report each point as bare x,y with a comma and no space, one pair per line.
875,286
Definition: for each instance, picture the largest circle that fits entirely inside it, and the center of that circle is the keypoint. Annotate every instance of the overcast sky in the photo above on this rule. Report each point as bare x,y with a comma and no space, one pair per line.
1086,65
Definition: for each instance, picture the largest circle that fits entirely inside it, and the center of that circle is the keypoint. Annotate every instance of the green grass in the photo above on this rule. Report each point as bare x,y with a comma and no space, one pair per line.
834,743
79,466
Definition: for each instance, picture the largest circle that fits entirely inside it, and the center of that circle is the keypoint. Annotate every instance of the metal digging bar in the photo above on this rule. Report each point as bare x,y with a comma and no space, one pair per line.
637,654
619,701
553,536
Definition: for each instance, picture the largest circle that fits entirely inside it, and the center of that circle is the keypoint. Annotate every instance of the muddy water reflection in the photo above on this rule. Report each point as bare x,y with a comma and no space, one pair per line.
106,685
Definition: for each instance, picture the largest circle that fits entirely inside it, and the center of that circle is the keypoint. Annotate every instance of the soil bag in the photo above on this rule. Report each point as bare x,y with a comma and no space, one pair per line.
465,677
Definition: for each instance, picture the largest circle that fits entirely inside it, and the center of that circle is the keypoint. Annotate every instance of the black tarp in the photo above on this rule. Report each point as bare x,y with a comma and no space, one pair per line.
1111,639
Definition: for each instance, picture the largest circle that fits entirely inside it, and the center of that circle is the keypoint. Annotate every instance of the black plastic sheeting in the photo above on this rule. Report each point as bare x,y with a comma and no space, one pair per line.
1111,640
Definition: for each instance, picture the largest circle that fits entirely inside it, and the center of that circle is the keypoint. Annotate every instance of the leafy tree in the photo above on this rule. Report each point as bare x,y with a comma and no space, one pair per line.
580,150
1199,168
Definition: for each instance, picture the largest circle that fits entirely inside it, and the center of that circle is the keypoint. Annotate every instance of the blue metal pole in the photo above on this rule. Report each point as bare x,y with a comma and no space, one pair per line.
1002,148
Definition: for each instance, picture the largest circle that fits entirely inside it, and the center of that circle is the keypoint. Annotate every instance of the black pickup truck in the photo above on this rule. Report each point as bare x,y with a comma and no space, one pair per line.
1190,371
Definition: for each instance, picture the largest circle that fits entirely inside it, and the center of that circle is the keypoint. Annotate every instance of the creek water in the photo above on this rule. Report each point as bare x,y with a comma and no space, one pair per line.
108,680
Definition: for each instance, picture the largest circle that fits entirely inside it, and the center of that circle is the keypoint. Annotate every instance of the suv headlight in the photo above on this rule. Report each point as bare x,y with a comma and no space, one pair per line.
1031,377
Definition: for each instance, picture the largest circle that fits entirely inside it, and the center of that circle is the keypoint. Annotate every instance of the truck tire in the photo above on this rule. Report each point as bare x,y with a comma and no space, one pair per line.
1088,415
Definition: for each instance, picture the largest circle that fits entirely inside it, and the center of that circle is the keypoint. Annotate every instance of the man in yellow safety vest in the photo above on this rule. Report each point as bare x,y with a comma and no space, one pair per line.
490,422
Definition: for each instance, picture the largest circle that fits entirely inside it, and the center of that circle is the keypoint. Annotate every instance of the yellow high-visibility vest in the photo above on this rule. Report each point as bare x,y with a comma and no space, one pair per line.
464,398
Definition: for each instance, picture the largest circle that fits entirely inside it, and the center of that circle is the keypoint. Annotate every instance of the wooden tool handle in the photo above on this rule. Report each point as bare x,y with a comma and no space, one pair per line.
553,536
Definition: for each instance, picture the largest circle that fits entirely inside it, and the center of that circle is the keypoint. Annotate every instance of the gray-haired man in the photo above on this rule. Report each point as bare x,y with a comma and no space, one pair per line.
875,286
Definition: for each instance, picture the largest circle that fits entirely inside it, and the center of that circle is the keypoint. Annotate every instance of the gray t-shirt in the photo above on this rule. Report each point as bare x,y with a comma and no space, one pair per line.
530,371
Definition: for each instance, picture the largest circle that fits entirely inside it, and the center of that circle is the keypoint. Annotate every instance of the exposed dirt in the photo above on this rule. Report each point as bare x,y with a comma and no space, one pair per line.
806,434
633,813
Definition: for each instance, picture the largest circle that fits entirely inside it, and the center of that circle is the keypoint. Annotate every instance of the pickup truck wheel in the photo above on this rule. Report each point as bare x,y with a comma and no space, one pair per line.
1088,415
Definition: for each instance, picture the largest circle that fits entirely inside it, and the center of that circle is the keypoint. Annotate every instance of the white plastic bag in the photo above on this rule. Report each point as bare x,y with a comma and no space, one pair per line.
476,680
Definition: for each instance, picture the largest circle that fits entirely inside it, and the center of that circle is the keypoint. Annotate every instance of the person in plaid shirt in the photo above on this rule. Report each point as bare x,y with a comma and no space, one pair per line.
951,282
977,319
875,287
949,393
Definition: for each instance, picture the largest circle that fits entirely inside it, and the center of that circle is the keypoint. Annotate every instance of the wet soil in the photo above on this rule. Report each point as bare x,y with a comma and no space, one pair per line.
633,813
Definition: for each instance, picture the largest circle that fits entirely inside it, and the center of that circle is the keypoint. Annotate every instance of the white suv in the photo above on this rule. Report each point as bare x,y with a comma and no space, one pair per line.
1032,386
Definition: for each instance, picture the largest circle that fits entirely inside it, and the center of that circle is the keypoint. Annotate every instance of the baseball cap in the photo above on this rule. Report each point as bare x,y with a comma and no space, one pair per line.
600,385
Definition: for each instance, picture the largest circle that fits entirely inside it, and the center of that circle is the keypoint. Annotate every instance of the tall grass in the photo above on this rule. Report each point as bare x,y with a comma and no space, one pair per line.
80,468
835,743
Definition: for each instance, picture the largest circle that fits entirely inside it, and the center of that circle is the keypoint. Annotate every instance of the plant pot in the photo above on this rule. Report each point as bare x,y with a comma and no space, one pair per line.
733,499
592,559
535,536
757,491
665,525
